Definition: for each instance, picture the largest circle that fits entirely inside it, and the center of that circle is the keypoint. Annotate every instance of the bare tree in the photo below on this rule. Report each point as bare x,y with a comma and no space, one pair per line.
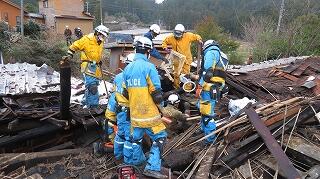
256,26
280,16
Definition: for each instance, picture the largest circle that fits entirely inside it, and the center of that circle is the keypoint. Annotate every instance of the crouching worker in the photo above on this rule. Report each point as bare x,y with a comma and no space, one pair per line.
91,47
118,111
143,89
212,80
109,129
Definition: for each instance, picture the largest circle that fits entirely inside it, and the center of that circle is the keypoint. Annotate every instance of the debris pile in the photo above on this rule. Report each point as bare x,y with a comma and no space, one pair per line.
276,135
30,108
281,79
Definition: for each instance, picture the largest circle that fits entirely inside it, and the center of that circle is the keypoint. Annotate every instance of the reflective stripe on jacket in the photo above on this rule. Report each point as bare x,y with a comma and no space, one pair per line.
118,84
182,45
90,51
111,111
141,79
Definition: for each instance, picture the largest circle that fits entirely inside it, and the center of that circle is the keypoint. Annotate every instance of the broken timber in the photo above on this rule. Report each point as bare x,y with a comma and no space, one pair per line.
283,161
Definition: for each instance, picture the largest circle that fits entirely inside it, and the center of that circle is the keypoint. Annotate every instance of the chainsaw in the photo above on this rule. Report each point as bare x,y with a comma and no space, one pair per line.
128,172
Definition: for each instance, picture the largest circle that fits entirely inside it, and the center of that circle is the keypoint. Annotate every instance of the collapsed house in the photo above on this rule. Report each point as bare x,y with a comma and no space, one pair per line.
276,132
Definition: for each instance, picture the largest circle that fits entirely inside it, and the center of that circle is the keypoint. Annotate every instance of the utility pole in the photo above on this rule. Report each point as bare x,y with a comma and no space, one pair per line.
280,16
21,18
87,5
101,13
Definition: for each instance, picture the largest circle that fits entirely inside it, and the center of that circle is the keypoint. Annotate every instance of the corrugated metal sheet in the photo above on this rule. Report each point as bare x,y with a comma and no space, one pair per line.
22,78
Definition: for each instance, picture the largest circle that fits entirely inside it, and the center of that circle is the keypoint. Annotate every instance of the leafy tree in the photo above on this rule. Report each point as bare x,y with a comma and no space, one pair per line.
34,8
209,29
4,43
32,29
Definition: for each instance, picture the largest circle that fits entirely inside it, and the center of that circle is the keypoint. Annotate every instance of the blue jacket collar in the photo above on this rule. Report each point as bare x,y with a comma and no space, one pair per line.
149,35
140,56
211,48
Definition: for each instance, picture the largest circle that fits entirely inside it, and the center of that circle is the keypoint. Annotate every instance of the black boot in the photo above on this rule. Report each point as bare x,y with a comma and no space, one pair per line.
154,174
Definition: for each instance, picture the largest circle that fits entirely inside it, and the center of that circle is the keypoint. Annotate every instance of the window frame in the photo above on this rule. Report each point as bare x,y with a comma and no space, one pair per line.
45,4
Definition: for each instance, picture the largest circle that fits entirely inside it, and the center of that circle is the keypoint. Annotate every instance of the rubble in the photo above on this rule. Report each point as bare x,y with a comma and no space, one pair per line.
30,108
277,135
269,82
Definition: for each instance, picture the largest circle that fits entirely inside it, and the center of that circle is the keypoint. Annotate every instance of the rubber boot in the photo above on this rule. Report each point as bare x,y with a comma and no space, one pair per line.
154,174
98,150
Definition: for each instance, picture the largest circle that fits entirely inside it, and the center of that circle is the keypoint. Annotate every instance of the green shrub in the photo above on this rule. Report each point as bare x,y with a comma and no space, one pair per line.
269,46
301,37
32,29
37,51
236,58
209,29
4,38
305,39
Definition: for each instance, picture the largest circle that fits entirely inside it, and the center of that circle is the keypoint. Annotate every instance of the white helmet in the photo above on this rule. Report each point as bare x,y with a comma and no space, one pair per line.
179,27
143,43
103,30
173,99
129,58
178,31
209,43
155,28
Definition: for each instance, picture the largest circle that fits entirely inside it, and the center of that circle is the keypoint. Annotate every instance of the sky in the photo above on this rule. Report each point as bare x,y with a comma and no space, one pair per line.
159,1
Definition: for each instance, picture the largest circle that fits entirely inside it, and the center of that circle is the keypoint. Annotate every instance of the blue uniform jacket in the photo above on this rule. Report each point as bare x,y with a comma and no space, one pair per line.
154,52
211,60
141,80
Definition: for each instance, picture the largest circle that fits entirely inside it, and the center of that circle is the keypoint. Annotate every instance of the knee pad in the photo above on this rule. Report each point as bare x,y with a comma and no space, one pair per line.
93,89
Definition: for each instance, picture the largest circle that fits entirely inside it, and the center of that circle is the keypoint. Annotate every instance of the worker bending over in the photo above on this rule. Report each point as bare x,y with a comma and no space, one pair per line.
153,33
143,90
118,110
212,80
91,47
181,41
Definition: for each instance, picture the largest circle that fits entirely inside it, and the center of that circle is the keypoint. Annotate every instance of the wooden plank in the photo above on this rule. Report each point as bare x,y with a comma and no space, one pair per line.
301,68
206,164
28,134
16,159
279,117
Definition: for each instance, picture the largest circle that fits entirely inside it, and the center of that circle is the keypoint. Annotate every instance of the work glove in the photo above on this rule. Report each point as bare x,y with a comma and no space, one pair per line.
201,43
163,65
167,50
194,77
166,61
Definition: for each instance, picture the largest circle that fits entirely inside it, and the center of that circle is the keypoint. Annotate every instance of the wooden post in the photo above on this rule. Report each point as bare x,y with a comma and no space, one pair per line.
65,90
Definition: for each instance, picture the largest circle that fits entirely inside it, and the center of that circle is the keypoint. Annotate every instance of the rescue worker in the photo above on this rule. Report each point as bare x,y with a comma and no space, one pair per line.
212,80
153,33
67,35
180,41
78,33
91,47
143,89
118,110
